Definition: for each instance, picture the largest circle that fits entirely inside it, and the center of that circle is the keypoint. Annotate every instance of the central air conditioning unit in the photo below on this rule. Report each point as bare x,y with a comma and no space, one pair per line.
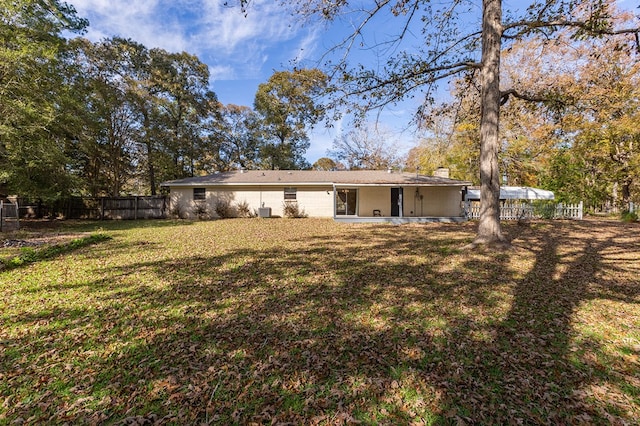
264,212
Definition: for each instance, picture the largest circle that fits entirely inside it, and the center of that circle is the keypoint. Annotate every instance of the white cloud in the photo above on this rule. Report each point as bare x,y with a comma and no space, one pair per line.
307,45
241,51
232,43
141,20
227,28
221,72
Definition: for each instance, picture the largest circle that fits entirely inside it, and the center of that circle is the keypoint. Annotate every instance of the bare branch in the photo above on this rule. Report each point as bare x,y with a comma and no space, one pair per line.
382,91
396,79
550,99
530,26
504,97
348,42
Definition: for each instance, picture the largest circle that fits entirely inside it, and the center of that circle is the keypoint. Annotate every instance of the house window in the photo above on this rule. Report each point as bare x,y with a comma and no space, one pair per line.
346,202
199,194
290,194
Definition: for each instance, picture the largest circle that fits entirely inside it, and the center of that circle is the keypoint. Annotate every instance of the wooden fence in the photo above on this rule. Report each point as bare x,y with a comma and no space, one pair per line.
9,217
519,209
135,207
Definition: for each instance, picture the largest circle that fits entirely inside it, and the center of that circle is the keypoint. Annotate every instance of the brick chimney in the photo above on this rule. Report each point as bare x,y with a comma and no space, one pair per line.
442,172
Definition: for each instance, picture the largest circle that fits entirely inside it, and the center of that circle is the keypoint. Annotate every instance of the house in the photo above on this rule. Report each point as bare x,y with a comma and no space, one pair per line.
350,196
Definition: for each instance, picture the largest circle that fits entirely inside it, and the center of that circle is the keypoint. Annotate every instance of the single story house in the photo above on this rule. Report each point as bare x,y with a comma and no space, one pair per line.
350,196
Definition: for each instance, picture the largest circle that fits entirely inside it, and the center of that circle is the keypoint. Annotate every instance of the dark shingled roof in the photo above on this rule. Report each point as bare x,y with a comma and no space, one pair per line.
314,177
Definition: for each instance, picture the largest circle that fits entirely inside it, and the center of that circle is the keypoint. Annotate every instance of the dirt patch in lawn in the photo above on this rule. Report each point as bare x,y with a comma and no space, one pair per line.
33,233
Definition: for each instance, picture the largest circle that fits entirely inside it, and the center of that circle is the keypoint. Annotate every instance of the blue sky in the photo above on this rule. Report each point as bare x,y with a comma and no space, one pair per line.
241,50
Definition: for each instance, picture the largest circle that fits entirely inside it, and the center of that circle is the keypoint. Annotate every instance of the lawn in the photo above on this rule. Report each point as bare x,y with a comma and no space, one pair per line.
305,321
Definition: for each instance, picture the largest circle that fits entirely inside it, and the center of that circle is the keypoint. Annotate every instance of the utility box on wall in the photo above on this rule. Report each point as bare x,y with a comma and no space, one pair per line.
264,211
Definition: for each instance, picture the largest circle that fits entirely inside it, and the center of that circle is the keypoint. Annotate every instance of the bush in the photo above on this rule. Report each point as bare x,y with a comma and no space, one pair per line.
224,210
201,211
244,210
293,210
544,209
629,217
176,211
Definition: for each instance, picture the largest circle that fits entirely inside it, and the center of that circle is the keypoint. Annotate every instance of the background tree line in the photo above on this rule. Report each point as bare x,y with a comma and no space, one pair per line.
574,130
114,117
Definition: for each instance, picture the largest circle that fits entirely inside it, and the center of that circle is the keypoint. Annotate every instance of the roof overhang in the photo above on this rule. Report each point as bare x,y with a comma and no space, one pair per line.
310,178
399,184
203,184
315,184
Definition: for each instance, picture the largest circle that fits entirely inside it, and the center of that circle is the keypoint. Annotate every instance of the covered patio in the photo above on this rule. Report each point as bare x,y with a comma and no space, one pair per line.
398,203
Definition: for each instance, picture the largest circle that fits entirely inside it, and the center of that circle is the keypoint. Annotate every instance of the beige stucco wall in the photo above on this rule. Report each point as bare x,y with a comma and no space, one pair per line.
316,201
436,201
374,198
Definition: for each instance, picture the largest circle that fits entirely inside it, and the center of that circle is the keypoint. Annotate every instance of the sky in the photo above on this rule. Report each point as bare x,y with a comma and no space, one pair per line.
242,50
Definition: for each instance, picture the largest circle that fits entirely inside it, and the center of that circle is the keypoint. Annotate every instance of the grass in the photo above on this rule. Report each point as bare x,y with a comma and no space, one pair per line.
252,321
30,255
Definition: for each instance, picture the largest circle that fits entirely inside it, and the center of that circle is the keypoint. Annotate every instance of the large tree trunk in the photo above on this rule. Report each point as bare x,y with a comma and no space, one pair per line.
627,181
489,230
151,169
150,157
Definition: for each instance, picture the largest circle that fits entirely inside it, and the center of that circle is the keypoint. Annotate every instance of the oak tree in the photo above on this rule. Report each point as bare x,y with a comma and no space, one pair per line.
235,139
289,105
32,145
326,164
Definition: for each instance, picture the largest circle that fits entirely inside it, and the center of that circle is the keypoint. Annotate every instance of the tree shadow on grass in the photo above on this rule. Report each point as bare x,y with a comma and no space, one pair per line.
527,370
382,325
89,225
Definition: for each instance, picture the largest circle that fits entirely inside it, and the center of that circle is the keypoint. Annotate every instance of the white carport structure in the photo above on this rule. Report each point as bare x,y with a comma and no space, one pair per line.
518,202
514,193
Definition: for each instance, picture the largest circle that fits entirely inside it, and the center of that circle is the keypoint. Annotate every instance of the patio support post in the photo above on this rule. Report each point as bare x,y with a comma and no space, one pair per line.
335,205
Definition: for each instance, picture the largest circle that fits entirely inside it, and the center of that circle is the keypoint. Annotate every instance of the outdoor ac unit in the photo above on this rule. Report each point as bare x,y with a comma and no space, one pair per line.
264,211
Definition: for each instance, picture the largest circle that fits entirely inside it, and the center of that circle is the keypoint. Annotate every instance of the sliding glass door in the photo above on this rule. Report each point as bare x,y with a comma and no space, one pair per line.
346,201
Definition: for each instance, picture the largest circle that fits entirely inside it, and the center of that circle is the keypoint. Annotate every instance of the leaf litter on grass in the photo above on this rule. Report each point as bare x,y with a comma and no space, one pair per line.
314,322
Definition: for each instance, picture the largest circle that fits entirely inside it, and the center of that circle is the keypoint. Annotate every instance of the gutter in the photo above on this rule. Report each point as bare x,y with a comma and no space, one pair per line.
334,184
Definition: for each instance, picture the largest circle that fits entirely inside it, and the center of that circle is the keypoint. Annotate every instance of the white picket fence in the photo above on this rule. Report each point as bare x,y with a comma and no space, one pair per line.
569,211
519,209
610,208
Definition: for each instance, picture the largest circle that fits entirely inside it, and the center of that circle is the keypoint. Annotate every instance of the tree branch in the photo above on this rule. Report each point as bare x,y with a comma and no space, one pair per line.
504,98
529,26
447,71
